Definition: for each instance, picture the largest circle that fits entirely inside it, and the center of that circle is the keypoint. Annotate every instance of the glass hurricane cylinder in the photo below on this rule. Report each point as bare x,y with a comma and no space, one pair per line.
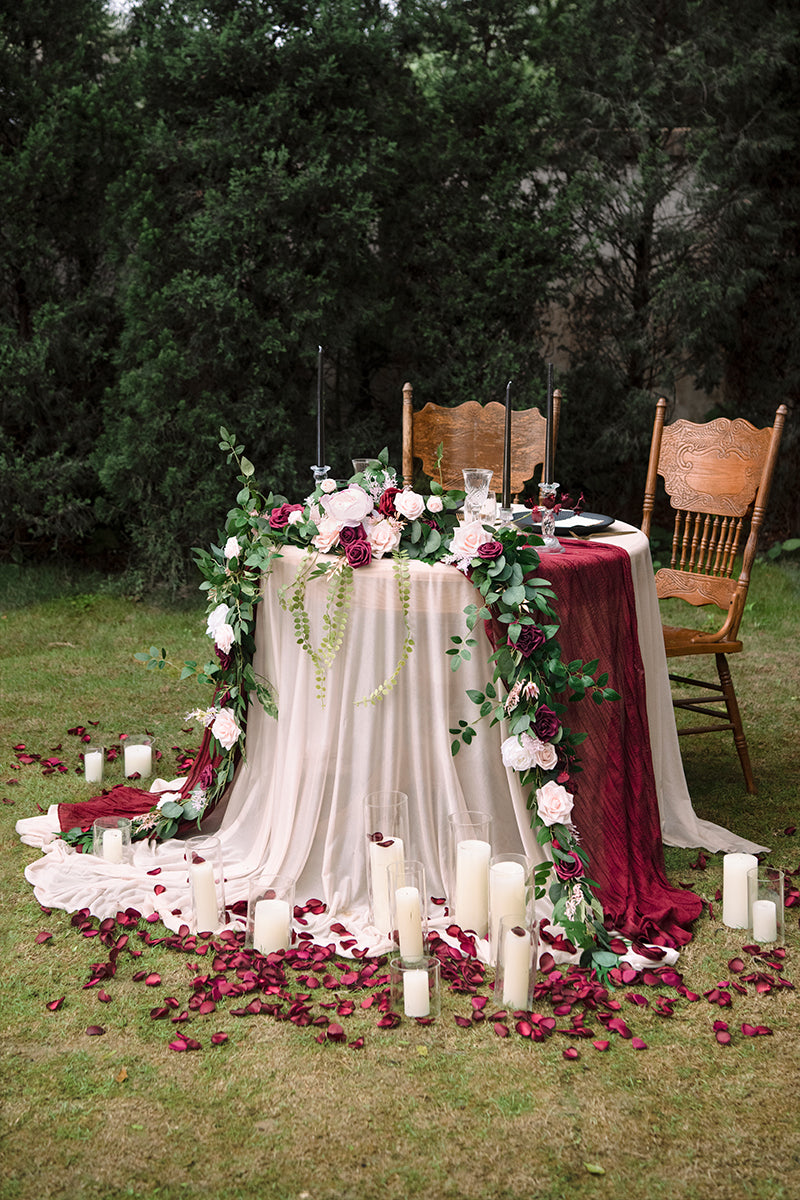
515,965
510,893
270,912
138,756
469,853
408,907
94,758
386,830
206,883
111,839
414,986
766,904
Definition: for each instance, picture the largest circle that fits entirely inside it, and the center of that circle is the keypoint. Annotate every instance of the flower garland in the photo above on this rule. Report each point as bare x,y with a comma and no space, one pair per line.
371,517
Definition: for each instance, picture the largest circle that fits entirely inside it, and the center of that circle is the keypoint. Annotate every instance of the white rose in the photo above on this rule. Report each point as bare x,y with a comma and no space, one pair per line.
225,729
348,507
383,537
553,803
169,798
467,538
435,503
516,752
544,754
409,505
232,548
327,534
223,637
296,517
216,618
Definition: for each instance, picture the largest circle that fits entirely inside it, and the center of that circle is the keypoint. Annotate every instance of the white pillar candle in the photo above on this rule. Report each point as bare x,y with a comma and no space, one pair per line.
112,845
204,890
472,885
409,921
138,760
516,968
765,921
506,894
271,925
381,857
735,912
416,1000
93,766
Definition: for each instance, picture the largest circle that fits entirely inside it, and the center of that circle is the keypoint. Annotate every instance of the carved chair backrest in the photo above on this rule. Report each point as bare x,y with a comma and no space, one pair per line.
717,477
472,435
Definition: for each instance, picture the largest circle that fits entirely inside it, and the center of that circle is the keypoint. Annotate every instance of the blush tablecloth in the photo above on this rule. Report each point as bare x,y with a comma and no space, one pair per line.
296,803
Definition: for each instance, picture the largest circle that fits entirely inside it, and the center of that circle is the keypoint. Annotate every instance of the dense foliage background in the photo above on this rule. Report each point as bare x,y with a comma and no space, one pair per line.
195,194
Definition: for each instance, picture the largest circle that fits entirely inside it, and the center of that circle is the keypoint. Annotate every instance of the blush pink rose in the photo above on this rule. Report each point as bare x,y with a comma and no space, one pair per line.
383,538
225,729
435,504
545,755
554,803
223,637
348,507
468,539
409,505
327,534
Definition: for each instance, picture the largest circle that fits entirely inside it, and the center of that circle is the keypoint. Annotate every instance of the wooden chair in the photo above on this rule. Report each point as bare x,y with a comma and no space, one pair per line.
717,477
472,435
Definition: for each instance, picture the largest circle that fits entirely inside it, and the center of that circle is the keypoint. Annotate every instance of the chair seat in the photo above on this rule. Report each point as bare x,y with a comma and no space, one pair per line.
679,641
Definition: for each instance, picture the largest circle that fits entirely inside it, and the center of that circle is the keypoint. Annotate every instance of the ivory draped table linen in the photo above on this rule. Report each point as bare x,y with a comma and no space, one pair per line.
296,804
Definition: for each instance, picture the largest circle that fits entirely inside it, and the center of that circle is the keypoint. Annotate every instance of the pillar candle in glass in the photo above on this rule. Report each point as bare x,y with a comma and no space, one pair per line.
766,904
409,907
735,911
206,882
138,755
270,911
93,763
470,852
386,830
111,839
509,892
414,986
515,971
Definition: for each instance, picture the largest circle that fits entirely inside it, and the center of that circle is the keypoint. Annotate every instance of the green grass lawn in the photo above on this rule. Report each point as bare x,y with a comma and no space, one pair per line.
445,1111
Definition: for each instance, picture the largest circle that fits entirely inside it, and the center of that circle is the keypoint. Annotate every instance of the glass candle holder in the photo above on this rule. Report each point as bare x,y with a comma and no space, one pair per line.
386,829
469,854
510,893
408,907
94,758
476,486
111,839
766,904
138,756
414,986
270,912
547,491
206,883
515,970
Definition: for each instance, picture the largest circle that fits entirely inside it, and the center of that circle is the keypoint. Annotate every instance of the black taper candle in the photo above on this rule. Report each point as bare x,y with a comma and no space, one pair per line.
506,494
320,414
548,466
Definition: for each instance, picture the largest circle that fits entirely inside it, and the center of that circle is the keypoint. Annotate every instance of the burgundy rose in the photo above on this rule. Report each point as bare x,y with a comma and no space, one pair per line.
530,638
358,553
545,724
569,868
279,517
224,659
386,503
490,550
352,533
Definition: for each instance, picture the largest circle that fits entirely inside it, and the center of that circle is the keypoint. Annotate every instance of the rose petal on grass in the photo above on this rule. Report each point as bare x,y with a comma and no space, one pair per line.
95,1031
42,937
638,1044
218,1039
601,1045
55,1005
723,1037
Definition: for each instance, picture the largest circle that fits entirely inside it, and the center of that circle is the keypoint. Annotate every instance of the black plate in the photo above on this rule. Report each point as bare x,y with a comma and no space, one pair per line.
588,523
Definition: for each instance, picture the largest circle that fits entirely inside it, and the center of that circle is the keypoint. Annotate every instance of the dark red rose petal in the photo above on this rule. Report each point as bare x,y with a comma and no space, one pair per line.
95,1031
